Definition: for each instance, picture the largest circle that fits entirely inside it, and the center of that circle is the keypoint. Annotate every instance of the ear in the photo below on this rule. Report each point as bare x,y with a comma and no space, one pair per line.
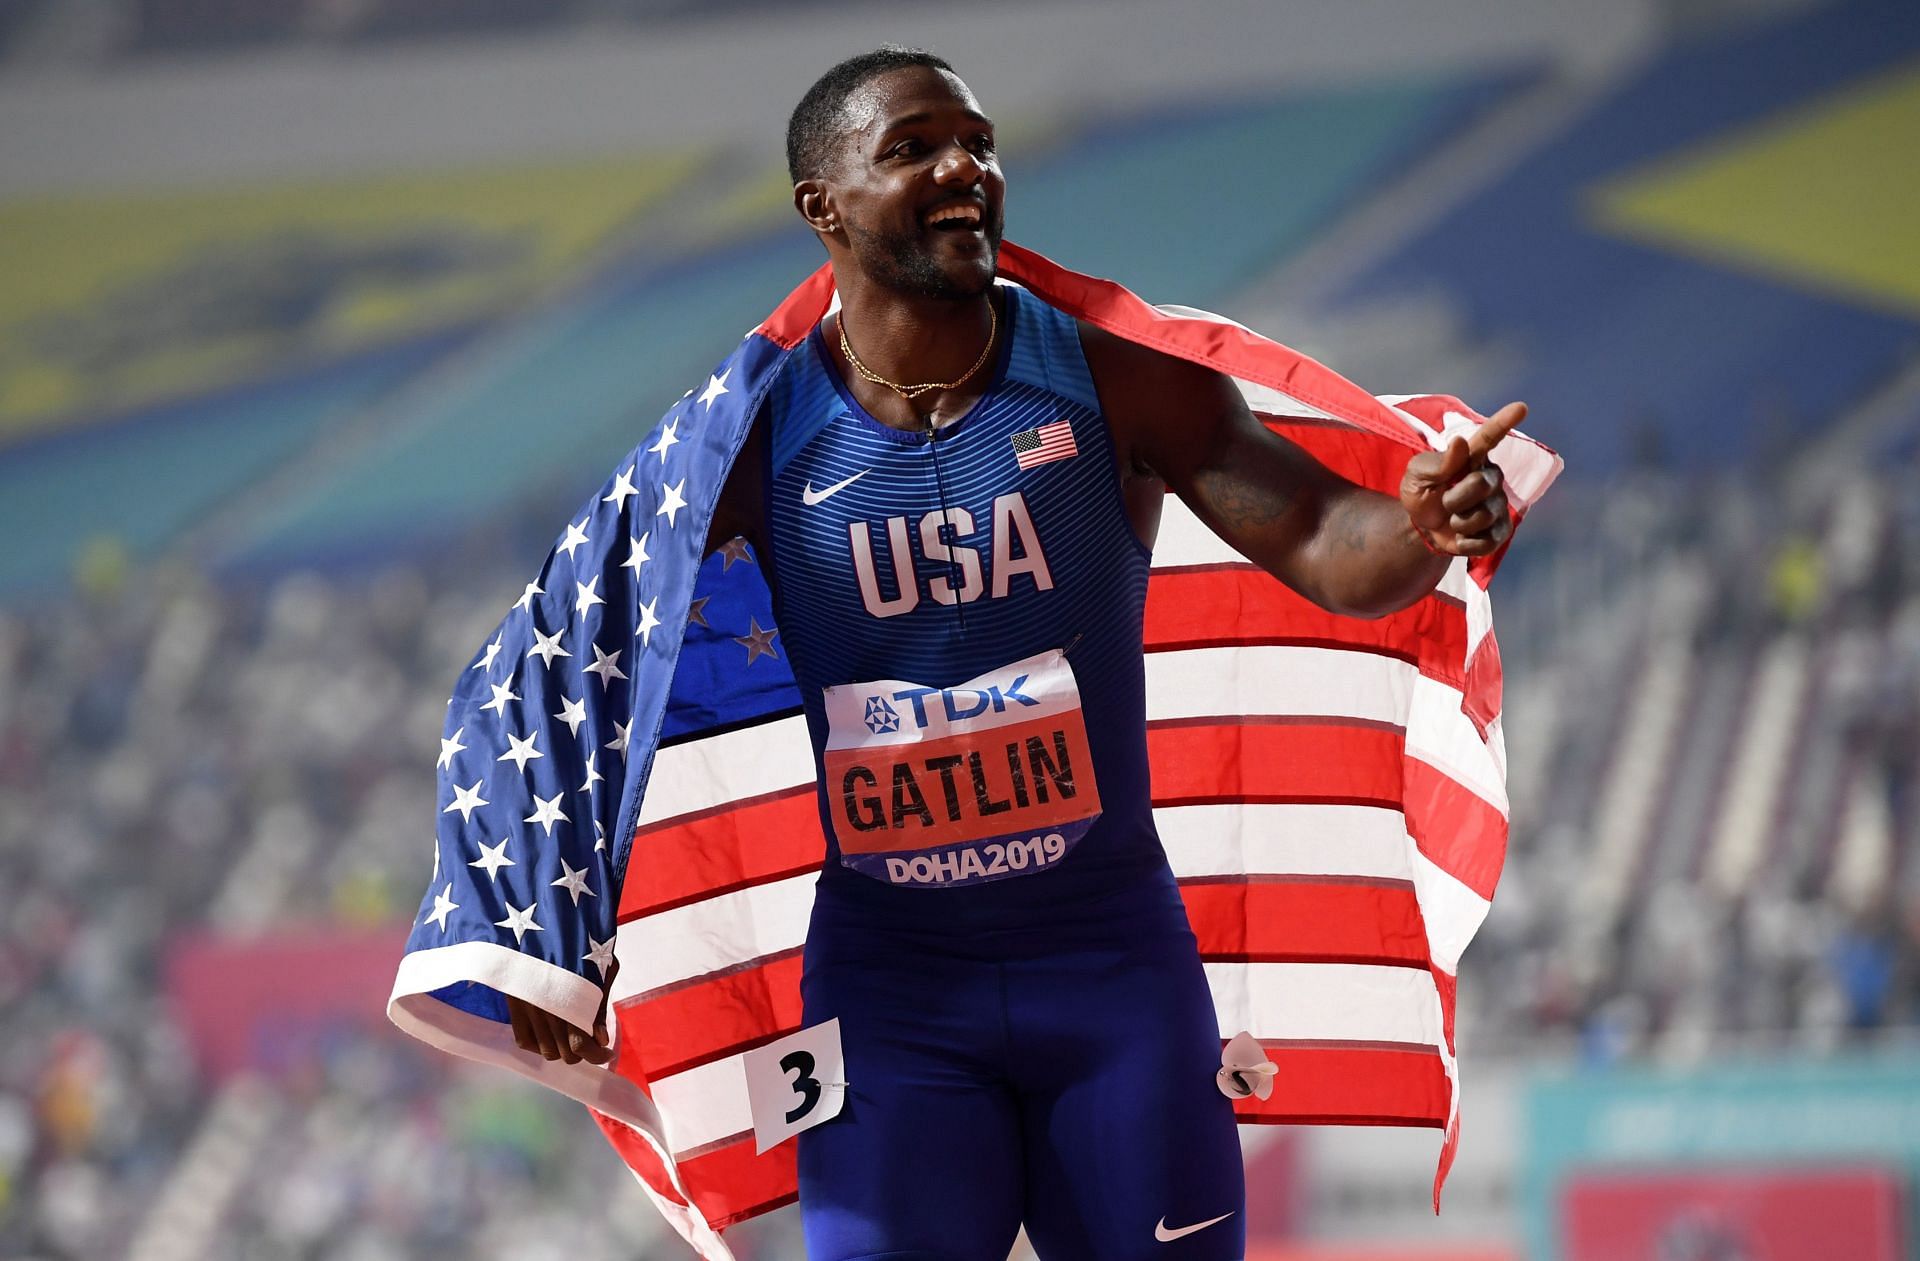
815,203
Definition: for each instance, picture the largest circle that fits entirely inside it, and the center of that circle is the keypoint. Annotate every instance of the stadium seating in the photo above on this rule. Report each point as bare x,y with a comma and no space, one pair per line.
223,717
1615,330
611,358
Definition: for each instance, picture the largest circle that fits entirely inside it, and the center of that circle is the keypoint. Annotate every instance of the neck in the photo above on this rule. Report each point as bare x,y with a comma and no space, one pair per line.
912,339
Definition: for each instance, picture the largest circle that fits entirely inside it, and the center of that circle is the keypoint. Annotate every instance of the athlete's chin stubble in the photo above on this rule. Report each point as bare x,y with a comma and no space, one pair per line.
901,263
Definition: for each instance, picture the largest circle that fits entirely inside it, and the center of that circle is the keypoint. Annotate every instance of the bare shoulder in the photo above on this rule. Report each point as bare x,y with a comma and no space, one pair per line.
1153,399
1133,366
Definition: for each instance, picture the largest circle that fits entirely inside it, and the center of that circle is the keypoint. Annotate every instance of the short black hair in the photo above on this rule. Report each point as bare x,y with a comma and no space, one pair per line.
815,126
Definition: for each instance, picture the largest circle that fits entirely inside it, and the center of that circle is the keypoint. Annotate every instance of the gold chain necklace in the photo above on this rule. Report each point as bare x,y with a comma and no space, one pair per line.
915,391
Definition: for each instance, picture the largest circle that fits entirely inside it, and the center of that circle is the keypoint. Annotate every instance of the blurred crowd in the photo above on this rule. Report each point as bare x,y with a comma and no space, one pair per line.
180,758
1745,580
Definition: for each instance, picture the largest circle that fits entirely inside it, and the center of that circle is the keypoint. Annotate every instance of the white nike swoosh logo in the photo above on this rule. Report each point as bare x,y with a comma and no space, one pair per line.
809,496
1164,1235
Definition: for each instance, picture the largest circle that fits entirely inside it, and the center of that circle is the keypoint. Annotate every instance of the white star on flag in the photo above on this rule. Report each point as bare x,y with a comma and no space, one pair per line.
636,553
547,647
667,439
574,882
526,597
492,859
674,501
606,666
699,698
588,596
520,752
622,487
449,747
502,693
593,774
648,621
444,905
520,921
547,812
486,659
600,956
466,801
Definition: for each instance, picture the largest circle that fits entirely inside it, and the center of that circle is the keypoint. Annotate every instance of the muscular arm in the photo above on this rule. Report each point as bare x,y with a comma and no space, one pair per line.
1348,549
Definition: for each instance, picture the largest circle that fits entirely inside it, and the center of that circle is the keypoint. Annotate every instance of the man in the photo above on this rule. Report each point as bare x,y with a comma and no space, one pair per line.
954,491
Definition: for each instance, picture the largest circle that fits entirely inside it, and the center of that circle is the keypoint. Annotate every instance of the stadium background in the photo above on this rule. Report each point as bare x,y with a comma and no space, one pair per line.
316,316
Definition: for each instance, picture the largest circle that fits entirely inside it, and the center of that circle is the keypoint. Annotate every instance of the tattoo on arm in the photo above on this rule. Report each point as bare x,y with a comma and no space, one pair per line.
1242,504
1355,529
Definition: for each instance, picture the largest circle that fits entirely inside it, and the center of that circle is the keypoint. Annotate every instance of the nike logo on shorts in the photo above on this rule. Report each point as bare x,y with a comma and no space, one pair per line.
809,496
1164,1235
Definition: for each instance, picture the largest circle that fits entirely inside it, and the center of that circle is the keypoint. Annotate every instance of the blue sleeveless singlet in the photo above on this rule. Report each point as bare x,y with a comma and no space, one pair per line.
941,600
995,930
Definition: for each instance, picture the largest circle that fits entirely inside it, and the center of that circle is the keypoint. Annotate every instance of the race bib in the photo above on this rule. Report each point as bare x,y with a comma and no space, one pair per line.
795,1083
957,785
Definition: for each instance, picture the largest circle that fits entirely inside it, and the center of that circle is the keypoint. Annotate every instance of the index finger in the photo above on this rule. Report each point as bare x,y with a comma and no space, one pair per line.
1498,426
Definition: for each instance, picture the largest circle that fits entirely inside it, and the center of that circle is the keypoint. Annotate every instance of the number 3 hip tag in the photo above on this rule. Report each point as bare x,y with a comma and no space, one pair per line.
795,1083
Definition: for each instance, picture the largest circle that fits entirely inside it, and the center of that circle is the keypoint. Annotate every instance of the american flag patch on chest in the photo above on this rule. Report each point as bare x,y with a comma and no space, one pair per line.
1045,444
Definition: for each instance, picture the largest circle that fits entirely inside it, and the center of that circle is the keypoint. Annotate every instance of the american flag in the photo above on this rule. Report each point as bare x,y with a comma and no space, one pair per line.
625,774
1044,445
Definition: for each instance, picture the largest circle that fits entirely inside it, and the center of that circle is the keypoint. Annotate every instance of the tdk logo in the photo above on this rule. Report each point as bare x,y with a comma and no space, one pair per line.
955,702
881,717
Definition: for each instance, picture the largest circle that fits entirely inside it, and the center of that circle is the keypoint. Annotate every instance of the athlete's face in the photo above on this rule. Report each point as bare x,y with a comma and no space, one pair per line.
917,187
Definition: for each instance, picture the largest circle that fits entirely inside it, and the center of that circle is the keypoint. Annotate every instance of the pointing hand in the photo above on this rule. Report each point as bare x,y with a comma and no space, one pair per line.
1454,497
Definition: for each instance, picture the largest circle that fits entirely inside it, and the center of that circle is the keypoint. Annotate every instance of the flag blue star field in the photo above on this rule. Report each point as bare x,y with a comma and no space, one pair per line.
551,731
624,774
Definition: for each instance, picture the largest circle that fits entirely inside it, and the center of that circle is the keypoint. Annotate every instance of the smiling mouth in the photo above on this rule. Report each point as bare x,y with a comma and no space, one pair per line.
956,217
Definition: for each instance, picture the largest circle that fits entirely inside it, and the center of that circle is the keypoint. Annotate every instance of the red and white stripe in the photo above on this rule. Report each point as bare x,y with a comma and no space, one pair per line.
1330,792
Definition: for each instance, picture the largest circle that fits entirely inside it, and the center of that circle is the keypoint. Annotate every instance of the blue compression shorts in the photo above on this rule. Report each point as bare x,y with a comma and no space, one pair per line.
1065,1081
